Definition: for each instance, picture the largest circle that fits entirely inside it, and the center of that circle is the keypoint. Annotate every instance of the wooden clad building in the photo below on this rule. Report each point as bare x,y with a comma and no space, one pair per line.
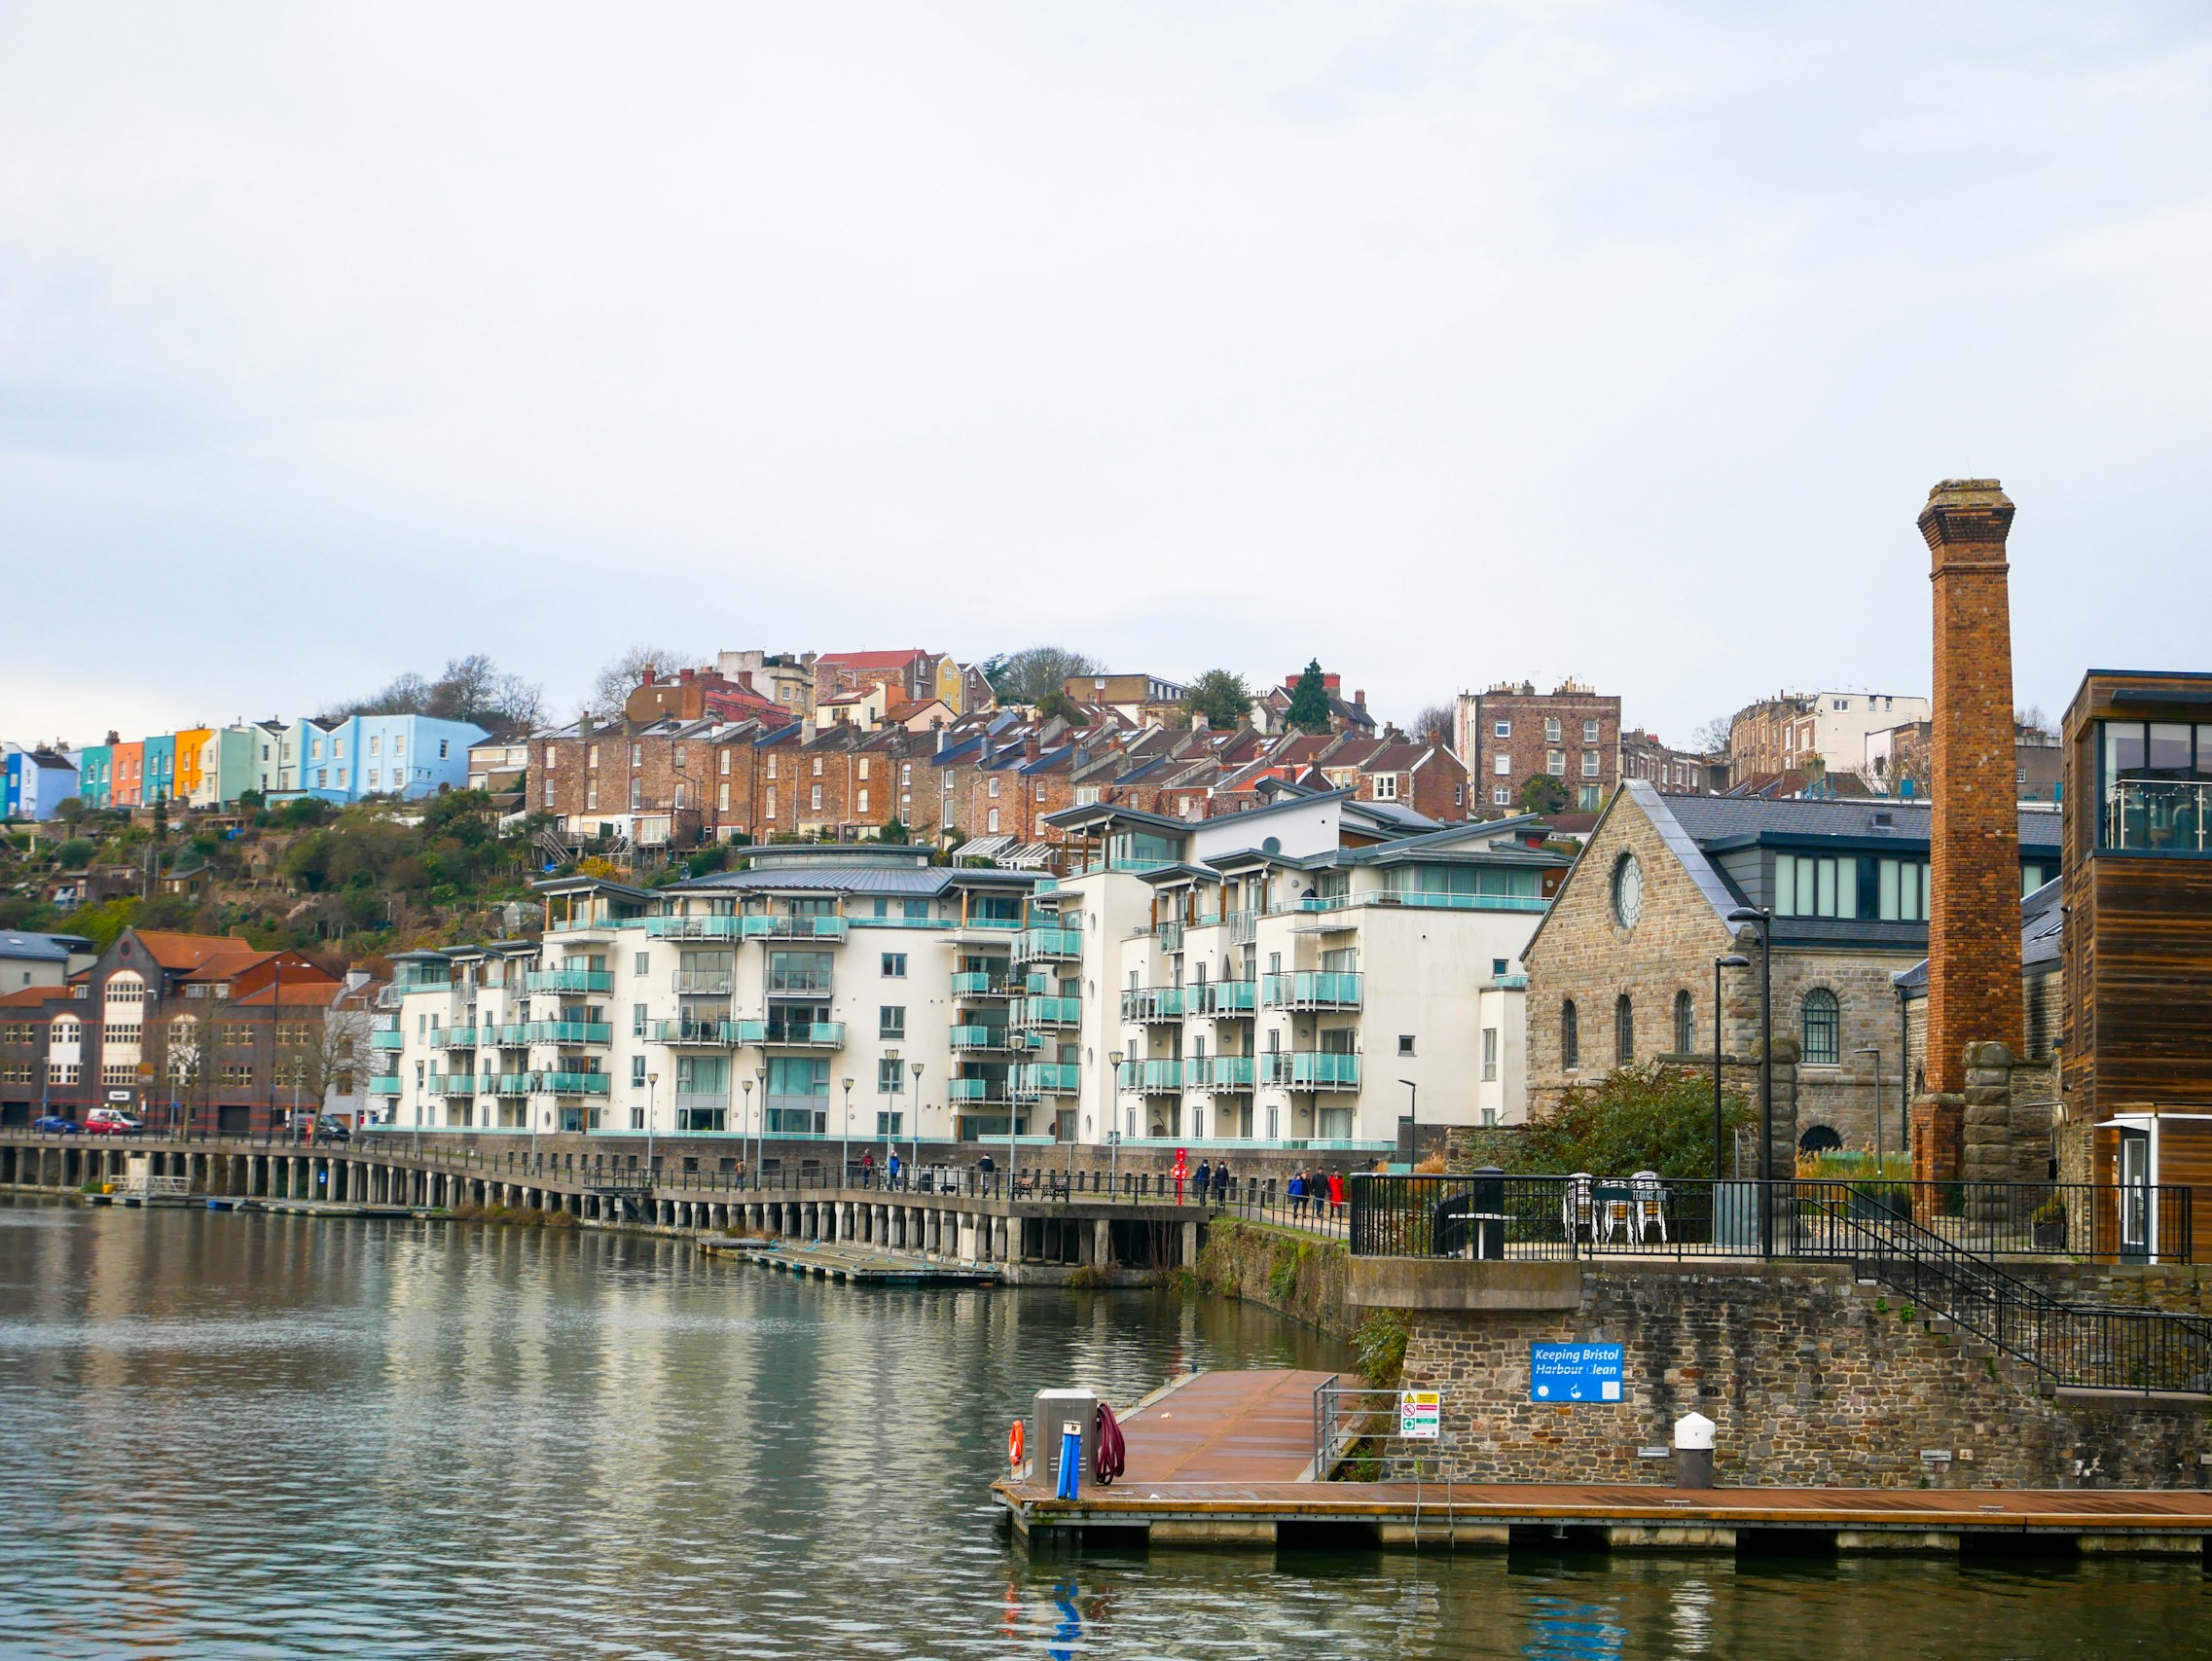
2137,1048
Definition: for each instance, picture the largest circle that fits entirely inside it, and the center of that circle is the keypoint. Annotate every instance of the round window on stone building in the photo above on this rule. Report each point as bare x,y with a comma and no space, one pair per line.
1627,891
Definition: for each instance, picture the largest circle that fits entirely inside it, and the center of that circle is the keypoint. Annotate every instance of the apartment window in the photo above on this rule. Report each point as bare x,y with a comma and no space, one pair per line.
372,778
637,1021
637,794
891,1021
1041,789
373,742
238,1075
888,1077
863,767
991,788
990,820
860,805
1501,797
1502,766
636,755
592,756
1405,1043
118,1072
591,798
1552,729
1570,1036
679,802
637,1071
1490,1055
1501,729
1589,764
1685,1024
814,799
723,761
772,767
62,1072
549,792
399,745
1555,763
948,784
906,775
1623,1030
770,814
722,798
1819,1024
1589,732
1386,787
817,767
894,966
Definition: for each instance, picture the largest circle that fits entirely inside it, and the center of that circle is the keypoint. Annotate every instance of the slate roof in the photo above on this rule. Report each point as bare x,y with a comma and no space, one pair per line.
1713,819
27,948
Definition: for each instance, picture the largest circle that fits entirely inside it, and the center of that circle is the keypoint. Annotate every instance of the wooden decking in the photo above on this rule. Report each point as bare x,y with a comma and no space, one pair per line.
857,1265
1224,1458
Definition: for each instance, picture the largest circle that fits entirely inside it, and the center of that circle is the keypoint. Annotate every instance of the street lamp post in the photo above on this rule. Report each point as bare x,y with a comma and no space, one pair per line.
760,1128
745,1123
652,1099
898,1111
1113,1123
1733,960
1874,1050
1412,1122
845,1139
1763,921
914,1129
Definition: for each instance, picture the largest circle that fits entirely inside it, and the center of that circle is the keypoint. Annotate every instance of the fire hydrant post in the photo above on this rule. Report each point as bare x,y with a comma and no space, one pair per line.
1694,1451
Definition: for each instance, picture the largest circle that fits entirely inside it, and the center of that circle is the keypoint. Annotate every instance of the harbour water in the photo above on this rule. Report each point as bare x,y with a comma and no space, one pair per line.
261,1436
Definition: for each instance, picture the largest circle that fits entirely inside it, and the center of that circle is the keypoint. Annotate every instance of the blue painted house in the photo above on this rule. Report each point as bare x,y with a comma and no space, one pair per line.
35,783
161,769
411,756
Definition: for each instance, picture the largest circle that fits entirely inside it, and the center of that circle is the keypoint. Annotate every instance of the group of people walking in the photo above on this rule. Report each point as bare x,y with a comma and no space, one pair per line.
1323,1190
1209,1184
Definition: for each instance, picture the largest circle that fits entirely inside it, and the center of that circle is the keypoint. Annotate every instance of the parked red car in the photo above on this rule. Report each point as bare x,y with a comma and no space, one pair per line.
112,1122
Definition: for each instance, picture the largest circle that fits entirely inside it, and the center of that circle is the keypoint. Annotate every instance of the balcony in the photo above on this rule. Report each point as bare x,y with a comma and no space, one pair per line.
696,927
384,1084
705,983
985,1092
717,1033
1228,999
387,1038
454,1038
980,983
1244,928
792,1035
1169,936
1156,1003
513,1034
1033,1079
794,928
1043,1012
570,1083
1059,945
1152,1076
1311,1070
798,983
452,1084
507,1083
1312,988
569,979
564,1032
1225,1072
976,1037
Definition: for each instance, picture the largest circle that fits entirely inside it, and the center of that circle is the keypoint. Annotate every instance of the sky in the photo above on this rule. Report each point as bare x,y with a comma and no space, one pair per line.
1449,342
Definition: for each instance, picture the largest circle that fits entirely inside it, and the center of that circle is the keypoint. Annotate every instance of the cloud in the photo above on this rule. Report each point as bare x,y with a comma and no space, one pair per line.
1452,342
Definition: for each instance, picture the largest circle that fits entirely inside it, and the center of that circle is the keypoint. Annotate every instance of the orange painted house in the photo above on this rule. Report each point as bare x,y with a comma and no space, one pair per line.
130,788
192,741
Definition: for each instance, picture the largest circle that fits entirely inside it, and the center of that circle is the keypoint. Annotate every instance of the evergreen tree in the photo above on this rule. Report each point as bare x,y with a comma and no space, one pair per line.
1309,702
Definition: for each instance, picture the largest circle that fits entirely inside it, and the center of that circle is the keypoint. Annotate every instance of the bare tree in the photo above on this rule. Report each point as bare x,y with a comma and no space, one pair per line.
1027,676
332,1055
618,677
2033,718
1433,725
1712,739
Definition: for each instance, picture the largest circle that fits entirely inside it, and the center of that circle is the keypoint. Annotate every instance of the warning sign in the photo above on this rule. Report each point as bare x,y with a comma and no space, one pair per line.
1420,1414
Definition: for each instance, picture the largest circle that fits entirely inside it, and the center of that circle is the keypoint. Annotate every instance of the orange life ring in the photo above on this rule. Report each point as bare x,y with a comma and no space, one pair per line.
1014,1443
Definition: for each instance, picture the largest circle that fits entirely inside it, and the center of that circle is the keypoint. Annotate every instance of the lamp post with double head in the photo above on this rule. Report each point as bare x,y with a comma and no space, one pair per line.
1733,960
1763,922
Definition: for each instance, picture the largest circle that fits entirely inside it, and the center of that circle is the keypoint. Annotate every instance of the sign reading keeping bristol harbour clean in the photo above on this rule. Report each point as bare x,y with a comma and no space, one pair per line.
1566,1373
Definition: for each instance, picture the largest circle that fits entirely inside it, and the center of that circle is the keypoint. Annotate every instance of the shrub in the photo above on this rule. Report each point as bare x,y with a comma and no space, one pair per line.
1636,1118
1379,1345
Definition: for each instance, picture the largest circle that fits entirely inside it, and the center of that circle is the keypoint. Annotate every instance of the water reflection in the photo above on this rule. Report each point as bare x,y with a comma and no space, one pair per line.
249,1435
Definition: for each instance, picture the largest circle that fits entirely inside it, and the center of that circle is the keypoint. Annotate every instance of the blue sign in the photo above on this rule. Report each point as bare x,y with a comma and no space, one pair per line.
1573,1372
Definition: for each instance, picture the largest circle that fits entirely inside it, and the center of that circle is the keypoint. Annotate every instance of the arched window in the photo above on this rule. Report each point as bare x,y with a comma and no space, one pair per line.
1570,1037
1819,1138
1623,1030
1686,1023
1820,1027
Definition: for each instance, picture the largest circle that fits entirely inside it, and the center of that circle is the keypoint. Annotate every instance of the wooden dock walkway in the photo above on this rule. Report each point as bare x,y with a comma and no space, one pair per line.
855,1265
1224,1459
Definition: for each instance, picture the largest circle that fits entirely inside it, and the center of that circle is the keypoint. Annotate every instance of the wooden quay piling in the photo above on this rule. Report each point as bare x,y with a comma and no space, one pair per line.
1226,1458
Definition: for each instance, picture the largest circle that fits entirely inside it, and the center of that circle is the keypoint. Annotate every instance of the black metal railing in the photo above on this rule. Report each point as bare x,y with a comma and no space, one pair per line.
1482,1213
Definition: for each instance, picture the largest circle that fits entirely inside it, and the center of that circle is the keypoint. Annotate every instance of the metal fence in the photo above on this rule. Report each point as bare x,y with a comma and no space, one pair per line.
1485,1214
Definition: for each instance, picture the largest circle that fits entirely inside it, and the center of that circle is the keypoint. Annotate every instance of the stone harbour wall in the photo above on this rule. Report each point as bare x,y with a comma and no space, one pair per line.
1811,1378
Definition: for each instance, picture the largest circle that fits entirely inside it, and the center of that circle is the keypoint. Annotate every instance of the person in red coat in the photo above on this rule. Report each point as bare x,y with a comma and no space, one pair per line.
1182,1170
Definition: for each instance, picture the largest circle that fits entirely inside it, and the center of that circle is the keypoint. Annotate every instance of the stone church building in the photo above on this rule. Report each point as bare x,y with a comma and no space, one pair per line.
1621,967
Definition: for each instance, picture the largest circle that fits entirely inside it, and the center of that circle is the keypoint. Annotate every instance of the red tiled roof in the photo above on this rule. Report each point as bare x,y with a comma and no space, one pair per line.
181,954
30,997
871,660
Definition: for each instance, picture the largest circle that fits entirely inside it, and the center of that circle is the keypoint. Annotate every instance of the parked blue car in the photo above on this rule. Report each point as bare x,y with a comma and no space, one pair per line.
55,1123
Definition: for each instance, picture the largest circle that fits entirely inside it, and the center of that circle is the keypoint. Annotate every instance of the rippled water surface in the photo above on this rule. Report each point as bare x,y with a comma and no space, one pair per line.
236,1435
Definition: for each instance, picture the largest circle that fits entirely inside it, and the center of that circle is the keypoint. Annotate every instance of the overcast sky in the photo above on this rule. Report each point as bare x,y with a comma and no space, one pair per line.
1451,343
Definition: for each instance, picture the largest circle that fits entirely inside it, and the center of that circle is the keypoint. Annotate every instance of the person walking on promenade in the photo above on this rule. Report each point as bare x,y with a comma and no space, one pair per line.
1204,1183
1296,1190
1335,1194
868,1169
890,1169
1221,1183
1179,1170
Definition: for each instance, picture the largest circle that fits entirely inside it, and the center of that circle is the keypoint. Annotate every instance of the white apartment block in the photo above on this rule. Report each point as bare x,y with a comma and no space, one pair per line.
1266,979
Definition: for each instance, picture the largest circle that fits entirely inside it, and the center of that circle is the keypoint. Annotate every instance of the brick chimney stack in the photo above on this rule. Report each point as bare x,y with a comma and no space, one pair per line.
1974,932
